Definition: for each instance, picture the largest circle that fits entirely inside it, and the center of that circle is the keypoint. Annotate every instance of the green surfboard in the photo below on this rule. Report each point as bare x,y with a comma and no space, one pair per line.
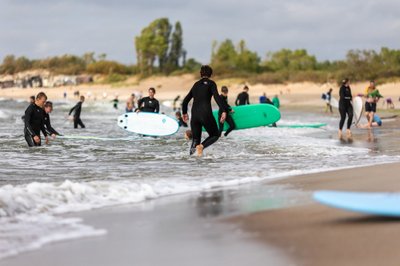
317,125
253,115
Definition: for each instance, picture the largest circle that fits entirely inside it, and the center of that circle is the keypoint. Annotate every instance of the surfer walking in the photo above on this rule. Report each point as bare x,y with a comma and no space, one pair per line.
34,121
202,116
77,113
229,120
345,107
149,103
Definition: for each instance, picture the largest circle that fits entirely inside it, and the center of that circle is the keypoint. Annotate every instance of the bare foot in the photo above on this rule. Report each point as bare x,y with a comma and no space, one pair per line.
340,136
348,133
199,149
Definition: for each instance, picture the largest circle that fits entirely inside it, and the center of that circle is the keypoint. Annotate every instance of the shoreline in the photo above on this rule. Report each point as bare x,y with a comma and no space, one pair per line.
314,234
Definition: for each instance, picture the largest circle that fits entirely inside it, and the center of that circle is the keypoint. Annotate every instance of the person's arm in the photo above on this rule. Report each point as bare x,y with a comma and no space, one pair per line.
247,98
28,116
218,98
237,100
157,106
140,102
72,109
49,129
185,103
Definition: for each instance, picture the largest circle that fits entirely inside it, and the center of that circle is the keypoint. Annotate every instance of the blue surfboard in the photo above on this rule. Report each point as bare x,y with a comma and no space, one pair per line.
374,203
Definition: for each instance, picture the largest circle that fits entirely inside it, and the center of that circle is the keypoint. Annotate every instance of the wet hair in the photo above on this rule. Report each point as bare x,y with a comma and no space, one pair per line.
206,71
48,104
245,88
153,90
344,81
224,89
82,98
188,134
40,95
32,97
178,114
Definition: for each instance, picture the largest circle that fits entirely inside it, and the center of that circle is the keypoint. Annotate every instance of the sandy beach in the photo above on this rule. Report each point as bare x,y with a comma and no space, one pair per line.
314,234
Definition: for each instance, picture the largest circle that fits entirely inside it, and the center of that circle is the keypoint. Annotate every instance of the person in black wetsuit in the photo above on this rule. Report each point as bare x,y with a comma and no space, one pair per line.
149,104
77,115
345,107
243,97
228,119
202,116
178,117
48,108
34,121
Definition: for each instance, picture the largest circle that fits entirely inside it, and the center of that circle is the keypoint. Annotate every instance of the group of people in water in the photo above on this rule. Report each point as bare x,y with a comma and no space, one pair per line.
37,117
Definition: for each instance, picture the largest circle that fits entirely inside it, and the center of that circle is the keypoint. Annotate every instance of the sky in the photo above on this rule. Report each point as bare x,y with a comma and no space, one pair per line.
326,28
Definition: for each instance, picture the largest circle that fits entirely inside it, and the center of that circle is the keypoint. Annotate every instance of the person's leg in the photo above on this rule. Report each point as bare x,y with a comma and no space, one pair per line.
196,135
212,129
231,124
81,123
29,140
342,112
349,120
76,122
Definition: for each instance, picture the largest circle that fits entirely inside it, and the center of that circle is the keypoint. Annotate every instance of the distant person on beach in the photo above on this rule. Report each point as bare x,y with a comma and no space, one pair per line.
372,92
179,118
130,104
77,113
328,101
34,121
389,103
266,100
48,108
174,107
65,95
345,107
370,109
276,102
202,116
149,104
243,97
228,108
376,122
115,102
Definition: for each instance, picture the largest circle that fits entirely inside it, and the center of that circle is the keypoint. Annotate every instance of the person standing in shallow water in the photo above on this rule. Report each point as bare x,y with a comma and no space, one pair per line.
34,121
229,120
202,116
345,107
77,115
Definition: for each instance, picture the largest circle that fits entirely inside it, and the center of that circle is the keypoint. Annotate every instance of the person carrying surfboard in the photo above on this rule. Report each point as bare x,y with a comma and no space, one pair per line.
202,116
345,107
243,97
149,104
229,120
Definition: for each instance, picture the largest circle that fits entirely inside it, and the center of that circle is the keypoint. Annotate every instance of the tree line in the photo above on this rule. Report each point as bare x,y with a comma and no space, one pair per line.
160,50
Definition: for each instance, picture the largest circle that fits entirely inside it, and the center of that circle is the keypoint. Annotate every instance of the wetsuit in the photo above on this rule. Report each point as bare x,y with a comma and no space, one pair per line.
228,119
345,106
34,123
202,116
49,129
77,116
242,98
147,104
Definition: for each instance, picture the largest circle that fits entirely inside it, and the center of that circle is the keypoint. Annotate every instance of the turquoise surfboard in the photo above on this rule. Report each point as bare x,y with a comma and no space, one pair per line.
374,203
253,115
316,125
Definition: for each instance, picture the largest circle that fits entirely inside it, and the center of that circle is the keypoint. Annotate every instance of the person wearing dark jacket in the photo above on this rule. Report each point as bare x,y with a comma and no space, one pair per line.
77,113
202,116
229,120
243,97
149,104
48,108
34,121
345,107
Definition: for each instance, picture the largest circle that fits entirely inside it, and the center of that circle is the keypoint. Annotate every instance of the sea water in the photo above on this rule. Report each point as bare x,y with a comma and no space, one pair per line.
117,167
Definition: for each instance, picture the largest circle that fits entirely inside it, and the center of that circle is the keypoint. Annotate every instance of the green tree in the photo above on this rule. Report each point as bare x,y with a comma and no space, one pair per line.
247,60
176,50
224,57
8,66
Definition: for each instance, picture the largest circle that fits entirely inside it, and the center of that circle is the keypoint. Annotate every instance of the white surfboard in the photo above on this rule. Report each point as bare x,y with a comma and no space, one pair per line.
334,102
170,104
357,108
149,124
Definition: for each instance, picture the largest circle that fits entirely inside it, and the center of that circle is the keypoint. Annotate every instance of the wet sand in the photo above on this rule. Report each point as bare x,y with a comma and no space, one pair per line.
314,234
